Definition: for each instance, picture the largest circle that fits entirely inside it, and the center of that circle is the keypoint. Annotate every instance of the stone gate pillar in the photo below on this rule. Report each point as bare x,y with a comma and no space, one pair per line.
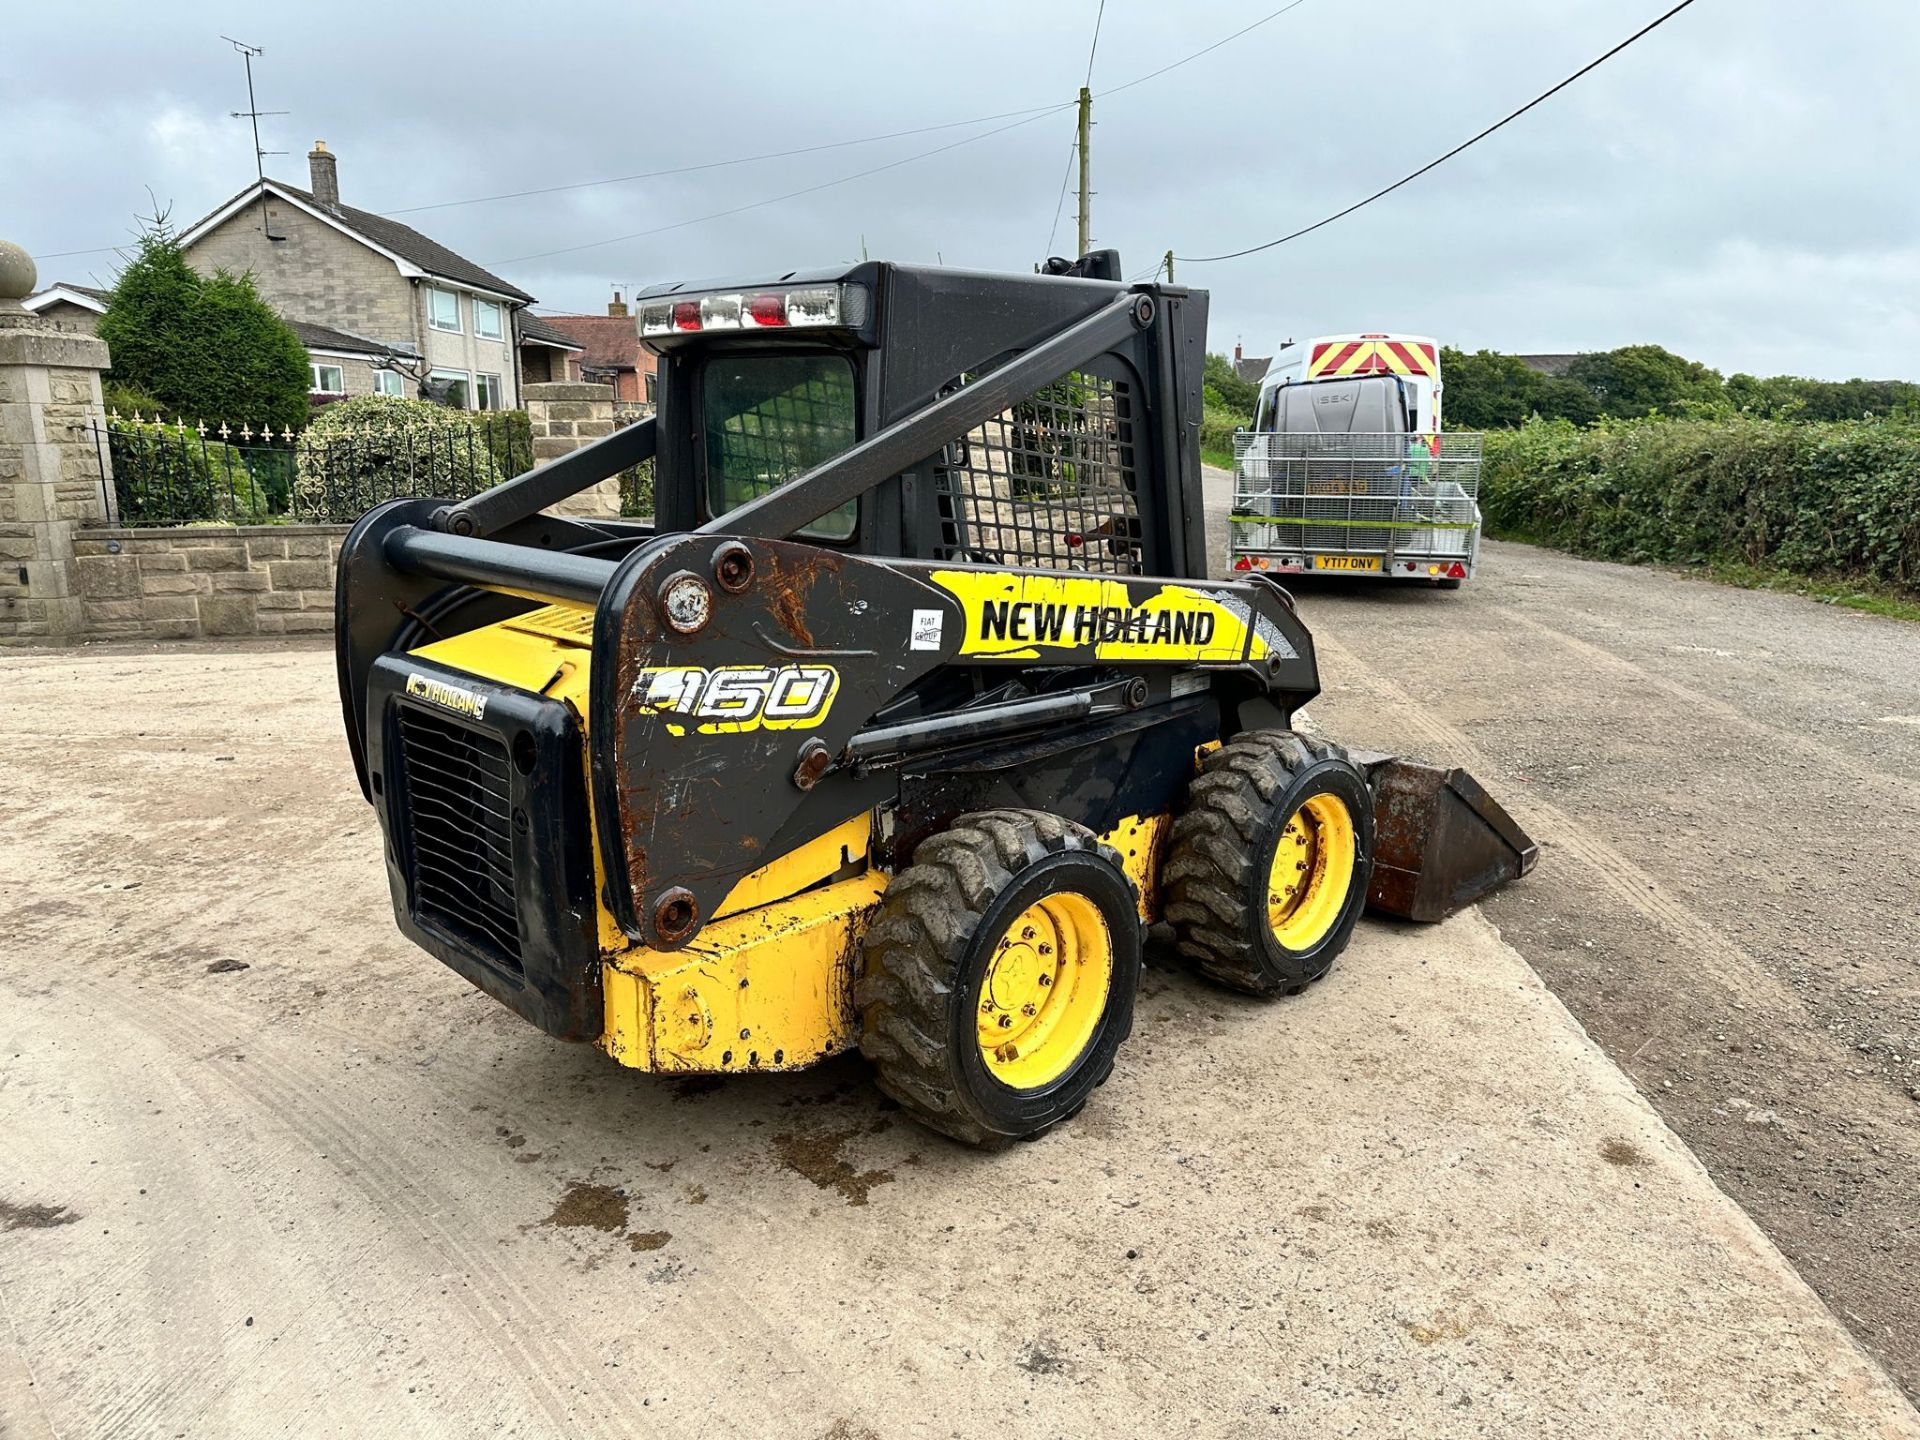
564,416
50,465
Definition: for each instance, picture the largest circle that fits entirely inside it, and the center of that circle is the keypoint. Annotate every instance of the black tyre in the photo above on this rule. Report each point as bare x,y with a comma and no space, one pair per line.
1450,583
999,975
1267,866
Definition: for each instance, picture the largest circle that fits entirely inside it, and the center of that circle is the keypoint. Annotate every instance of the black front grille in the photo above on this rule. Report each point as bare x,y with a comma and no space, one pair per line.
459,808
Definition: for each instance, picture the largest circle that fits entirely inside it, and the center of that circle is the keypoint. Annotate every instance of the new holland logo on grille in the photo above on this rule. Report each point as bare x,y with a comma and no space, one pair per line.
447,697
729,698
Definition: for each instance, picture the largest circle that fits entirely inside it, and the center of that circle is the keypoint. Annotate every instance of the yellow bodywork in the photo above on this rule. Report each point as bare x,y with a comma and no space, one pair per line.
768,982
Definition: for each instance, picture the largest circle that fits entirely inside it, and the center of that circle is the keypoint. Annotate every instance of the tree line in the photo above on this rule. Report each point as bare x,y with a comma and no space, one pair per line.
1487,390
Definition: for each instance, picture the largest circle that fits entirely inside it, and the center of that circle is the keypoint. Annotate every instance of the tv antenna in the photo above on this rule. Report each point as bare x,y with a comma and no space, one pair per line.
252,113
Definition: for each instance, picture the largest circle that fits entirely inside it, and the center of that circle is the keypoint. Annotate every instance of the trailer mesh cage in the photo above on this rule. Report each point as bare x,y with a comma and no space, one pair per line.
1396,496
458,805
1049,483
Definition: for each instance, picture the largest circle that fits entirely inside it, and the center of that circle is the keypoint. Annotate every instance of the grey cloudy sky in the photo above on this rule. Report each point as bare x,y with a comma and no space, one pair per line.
1737,187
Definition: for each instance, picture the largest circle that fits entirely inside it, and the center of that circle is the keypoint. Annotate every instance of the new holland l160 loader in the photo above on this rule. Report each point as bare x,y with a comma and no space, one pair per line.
900,723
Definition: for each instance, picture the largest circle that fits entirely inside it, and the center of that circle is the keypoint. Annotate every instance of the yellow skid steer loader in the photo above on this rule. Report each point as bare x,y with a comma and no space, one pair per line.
907,713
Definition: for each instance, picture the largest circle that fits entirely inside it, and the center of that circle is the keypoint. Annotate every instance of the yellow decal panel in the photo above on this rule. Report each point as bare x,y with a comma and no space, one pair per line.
726,699
1021,616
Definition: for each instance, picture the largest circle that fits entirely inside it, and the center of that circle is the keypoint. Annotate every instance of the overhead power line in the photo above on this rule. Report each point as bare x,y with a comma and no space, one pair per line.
1073,145
1019,117
926,154
1431,165
776,199
1034,110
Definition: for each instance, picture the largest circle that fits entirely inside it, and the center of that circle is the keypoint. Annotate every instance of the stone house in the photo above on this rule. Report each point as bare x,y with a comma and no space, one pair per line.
548,355
78,307
369,288
611,351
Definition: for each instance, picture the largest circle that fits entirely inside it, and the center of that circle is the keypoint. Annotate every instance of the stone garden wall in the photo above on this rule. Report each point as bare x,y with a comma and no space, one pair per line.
206,580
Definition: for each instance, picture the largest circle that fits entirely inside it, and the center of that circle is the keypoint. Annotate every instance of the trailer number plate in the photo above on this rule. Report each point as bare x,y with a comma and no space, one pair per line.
1346,562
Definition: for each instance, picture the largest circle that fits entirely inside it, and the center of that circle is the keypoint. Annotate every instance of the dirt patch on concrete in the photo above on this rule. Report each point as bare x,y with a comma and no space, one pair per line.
586,1206
816,1156
34,1217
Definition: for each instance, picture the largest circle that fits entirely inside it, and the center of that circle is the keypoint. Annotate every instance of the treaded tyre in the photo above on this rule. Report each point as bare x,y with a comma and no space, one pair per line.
999,976
1267,866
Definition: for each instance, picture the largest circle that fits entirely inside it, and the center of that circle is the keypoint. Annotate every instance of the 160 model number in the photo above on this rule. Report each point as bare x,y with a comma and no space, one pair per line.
729,698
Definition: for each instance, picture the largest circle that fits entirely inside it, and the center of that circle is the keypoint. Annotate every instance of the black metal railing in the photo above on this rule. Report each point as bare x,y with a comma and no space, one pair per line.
167,472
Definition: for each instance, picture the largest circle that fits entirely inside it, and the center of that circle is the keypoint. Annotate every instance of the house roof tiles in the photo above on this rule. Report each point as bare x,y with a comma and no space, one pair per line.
612,342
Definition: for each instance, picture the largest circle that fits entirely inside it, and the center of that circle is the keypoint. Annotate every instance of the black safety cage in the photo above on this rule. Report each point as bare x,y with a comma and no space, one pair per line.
1031,421
1047,419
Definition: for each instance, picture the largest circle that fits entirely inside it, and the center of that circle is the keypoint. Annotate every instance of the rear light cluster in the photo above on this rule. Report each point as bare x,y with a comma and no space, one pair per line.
803,307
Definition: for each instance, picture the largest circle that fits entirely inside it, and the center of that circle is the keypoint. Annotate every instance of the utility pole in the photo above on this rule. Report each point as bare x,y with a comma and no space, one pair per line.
1086,213
1169,267
253,112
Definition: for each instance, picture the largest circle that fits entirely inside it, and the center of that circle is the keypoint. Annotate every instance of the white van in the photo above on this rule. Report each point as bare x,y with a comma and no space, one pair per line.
1346,469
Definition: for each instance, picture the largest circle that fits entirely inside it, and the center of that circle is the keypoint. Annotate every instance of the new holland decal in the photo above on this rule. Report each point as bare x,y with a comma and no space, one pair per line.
726,699
447,697
1021,616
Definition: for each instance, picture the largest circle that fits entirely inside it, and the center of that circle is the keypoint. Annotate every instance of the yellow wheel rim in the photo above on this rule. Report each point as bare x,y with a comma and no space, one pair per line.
1312,872
1045,990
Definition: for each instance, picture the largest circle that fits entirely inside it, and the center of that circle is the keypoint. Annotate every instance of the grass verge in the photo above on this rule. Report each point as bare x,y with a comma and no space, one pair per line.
1873,596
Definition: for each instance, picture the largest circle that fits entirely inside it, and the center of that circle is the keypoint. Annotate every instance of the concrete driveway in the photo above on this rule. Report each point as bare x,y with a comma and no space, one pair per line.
267,1170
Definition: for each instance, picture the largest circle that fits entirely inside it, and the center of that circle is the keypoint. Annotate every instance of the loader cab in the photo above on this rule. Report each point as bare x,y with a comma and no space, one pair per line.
760,381
757,384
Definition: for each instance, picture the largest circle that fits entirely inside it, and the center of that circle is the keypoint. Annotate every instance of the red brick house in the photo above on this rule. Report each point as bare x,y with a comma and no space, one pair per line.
611,350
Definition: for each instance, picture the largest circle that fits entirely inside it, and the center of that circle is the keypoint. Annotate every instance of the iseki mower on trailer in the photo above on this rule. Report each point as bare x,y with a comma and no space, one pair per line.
899,724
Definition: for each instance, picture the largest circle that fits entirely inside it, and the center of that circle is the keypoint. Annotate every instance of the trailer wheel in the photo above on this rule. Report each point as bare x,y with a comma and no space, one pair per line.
999,976
1267,868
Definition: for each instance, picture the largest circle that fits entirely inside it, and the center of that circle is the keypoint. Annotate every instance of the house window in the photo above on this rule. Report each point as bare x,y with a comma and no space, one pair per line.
487,394
486,319
652,380
327,380
389,382
459,387
443,310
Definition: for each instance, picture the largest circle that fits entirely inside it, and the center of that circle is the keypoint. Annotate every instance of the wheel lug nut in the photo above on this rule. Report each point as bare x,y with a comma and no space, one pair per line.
1006,1022
1026,1009
1046,949
1046,979
1026,932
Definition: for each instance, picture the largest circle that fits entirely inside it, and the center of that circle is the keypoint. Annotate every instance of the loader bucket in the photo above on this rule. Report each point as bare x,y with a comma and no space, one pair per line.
1440,841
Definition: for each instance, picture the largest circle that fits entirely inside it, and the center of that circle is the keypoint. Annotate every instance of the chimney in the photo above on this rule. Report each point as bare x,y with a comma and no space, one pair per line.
617,306
322,166
1237,356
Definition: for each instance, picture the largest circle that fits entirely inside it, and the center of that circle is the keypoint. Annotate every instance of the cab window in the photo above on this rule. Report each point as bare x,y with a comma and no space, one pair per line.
768,418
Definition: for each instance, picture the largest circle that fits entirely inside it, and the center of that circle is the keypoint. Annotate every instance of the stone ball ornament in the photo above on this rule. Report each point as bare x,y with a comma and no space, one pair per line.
17,273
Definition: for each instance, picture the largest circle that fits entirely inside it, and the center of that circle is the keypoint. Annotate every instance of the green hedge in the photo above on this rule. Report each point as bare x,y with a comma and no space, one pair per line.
1838,499
1216,430
168,475
359,452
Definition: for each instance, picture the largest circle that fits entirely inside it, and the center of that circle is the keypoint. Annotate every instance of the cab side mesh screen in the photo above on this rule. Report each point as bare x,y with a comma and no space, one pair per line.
1047,484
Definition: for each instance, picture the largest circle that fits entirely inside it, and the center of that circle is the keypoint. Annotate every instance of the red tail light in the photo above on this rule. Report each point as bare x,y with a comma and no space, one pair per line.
1243,563
686,315
1458,572
766,310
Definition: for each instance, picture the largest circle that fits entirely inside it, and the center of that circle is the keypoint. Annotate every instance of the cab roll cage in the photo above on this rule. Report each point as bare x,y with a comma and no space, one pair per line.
456,547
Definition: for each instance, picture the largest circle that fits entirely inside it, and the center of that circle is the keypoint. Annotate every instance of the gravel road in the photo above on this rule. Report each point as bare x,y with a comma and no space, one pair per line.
1727,785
